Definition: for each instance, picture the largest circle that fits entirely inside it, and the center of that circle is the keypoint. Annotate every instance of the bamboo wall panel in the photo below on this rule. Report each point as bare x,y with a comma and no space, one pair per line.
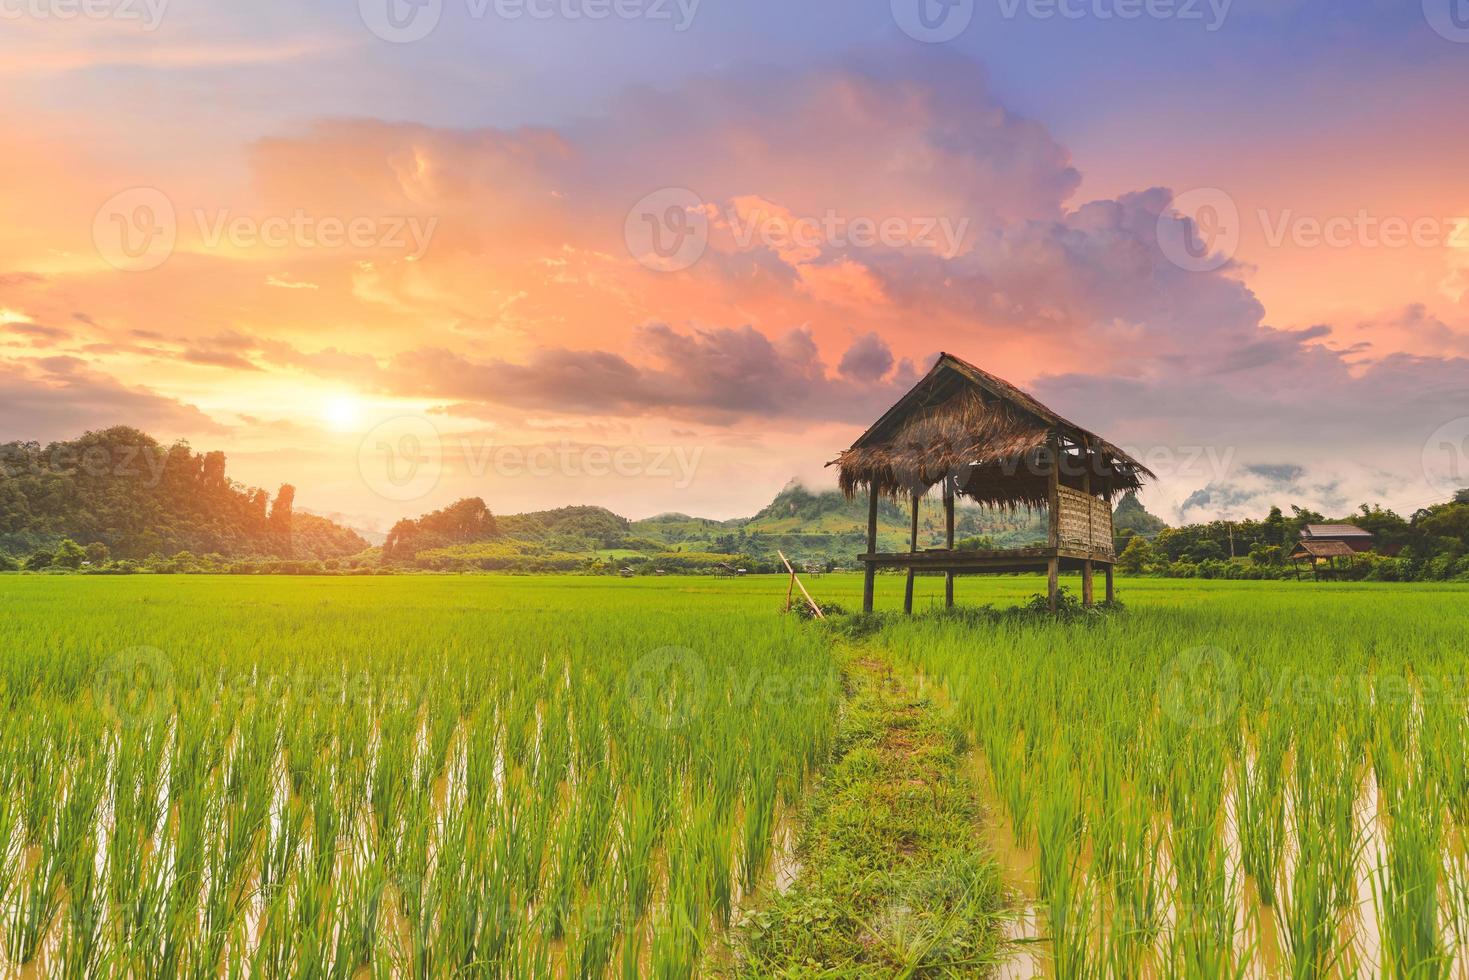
1086,521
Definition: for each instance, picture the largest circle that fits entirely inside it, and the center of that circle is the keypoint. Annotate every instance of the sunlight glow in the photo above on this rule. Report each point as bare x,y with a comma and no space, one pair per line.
342,413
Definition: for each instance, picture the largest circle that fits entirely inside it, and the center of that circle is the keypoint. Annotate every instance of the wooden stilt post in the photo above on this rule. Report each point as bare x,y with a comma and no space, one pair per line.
869,581
1086,566
1111,592
1053,507
949,538
912,549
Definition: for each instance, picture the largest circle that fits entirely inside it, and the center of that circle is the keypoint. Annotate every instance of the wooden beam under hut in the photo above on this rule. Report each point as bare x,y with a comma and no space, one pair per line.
948,538
1053,510
869,581
913,547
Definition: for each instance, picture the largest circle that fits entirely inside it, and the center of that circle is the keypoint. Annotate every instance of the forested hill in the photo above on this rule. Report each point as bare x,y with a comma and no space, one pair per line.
122,489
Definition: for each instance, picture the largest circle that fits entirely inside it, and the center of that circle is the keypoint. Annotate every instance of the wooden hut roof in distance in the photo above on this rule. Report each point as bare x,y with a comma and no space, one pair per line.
989,435
1336,531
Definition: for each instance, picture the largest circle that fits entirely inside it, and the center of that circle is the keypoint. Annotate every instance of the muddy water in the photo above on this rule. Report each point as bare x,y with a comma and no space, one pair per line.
1023,926
1260,940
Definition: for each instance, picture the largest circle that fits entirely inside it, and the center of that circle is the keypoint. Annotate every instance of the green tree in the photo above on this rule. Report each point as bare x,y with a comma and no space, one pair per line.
1137,556
38,560
1276,532
97,553
69,554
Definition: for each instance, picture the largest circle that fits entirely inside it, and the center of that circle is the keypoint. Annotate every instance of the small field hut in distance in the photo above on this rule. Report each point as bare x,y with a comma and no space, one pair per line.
968,433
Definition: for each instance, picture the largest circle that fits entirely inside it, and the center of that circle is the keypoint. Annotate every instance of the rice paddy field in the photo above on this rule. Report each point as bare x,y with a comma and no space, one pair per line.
559,776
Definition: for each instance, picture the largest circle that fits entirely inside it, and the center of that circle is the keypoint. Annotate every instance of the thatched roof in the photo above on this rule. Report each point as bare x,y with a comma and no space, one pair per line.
1322,549
988,434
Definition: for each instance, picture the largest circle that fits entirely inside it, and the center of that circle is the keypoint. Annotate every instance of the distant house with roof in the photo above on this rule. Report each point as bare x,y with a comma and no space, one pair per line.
1328,542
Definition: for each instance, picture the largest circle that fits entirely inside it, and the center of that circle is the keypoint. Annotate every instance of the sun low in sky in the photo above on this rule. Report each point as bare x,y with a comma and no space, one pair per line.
1234,241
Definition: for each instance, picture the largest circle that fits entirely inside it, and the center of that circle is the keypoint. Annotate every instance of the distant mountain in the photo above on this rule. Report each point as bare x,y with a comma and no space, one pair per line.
809,526
1130,517
123,489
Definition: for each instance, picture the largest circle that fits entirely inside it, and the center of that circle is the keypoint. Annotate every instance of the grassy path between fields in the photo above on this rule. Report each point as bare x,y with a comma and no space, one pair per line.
895,879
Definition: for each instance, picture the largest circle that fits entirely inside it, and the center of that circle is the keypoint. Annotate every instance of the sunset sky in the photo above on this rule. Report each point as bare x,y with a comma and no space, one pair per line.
666,255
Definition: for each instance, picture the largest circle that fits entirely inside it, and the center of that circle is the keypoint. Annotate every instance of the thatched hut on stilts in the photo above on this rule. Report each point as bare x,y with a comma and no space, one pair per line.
972,434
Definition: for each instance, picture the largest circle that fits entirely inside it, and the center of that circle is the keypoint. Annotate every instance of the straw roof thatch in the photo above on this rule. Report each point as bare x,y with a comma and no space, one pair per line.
1322,549
990,436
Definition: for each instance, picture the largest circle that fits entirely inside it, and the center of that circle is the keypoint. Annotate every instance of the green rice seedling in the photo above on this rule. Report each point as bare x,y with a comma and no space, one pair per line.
1136,900
1260,807
35,900
759,822
1406,889
1307,910
309,732
1456,877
